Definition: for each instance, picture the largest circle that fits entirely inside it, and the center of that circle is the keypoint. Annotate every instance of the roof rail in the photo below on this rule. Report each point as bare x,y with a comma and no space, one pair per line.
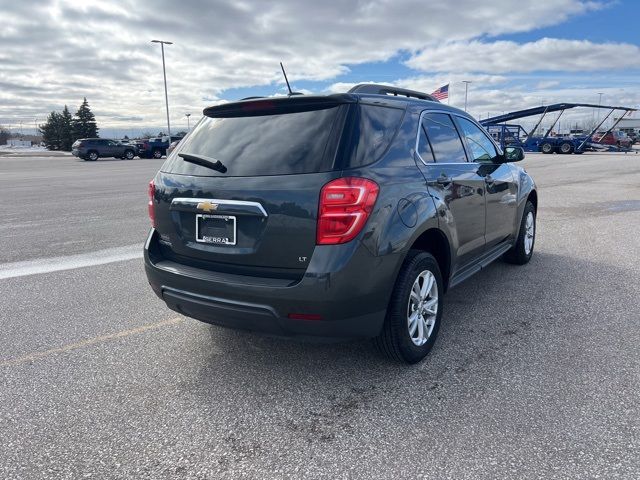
376,89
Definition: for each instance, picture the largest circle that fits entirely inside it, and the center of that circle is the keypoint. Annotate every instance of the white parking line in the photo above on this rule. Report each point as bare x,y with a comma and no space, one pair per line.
69,262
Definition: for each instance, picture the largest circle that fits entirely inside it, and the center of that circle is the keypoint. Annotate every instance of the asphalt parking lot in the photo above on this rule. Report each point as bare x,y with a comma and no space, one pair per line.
536,372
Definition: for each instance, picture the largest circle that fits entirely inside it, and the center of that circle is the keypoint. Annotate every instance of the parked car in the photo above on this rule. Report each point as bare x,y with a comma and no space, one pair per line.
173,146
617,138
341,216
632,134
155,147
94,148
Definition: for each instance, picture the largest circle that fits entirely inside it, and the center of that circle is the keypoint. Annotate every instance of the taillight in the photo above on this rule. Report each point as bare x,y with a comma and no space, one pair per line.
151,205
345,205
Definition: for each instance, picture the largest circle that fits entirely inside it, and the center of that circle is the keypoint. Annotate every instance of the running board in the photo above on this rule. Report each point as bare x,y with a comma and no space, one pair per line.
486,259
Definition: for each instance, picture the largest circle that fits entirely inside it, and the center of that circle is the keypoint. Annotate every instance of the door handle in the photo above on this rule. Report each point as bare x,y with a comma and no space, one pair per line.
443,179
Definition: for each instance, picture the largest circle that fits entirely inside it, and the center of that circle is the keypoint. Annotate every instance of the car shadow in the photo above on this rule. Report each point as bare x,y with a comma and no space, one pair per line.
500,308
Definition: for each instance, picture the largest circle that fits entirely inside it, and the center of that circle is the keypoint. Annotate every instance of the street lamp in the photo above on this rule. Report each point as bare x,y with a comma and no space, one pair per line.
188,126
164,73
466,90
599,102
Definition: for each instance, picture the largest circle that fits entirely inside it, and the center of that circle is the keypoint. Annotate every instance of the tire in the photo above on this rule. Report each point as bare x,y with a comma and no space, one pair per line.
565,148
128,154
93,156
157,153
396,340
522,250
546,147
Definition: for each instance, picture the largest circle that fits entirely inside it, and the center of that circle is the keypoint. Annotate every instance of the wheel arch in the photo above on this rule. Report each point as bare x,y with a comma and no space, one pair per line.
434,241
533,198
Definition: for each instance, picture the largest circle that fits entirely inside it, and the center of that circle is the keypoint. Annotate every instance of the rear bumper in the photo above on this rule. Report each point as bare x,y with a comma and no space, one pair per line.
339,288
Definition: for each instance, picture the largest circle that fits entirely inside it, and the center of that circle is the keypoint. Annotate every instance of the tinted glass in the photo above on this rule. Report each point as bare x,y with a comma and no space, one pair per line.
443,136
482,149
375,130
290,143
424,149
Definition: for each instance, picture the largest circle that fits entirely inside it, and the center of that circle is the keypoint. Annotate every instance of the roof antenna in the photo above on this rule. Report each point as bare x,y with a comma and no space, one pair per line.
287,80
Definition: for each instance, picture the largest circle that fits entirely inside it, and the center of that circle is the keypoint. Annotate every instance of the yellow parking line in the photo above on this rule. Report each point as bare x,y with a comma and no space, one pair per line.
90,341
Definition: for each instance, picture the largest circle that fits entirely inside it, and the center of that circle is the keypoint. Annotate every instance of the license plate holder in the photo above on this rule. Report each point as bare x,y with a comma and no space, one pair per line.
216,229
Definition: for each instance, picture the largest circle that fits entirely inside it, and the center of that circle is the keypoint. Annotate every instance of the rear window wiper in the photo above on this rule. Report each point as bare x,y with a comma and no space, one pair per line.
204,161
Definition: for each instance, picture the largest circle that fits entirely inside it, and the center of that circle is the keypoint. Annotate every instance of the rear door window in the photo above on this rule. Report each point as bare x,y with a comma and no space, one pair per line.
280,144
424,149
444,139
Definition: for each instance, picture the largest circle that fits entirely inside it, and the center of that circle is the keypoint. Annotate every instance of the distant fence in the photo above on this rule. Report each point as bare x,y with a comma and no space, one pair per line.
12,142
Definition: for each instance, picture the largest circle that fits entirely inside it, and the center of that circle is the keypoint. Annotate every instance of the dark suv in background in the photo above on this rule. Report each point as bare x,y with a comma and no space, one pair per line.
341,216
155,147
94,148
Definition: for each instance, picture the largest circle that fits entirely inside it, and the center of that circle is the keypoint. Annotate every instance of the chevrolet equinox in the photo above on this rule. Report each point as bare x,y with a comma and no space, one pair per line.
339,216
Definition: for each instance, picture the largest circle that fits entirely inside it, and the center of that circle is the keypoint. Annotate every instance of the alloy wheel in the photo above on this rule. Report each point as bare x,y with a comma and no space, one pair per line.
529,233
422,308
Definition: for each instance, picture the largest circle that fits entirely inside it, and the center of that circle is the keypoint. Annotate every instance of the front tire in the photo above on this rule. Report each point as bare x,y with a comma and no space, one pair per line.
129,155
157,154
415,309
522,251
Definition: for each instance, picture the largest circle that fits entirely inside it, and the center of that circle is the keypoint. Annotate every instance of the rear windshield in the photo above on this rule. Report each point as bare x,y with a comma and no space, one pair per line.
283,144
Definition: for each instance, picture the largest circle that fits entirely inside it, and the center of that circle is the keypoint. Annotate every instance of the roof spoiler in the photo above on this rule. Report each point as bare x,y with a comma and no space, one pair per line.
275,105
376,89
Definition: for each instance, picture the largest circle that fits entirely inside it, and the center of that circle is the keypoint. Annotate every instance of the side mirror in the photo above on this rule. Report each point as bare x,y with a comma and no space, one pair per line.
513,154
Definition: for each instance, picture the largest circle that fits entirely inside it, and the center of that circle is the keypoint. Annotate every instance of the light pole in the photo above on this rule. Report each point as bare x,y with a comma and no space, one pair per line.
164,74
599,102
188,125
466,91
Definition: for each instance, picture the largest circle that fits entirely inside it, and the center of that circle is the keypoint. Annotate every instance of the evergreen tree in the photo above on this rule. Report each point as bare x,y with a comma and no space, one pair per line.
66,134
52,132
4,135
84,122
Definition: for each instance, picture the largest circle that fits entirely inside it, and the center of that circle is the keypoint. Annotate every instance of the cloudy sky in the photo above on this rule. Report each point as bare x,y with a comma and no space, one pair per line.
517,54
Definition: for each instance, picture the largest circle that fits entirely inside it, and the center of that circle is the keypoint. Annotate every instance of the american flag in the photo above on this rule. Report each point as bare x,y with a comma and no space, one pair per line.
442,93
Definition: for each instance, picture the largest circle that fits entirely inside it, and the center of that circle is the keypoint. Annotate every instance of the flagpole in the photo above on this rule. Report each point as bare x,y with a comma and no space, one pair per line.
449,96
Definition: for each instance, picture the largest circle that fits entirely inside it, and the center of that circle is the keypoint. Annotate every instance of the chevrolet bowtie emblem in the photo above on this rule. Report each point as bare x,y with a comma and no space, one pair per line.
207,206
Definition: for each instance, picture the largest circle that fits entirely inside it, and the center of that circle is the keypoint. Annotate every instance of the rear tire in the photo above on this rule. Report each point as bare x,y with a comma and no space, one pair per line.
546,147
565,148
522,250
93,156
413,317
157,153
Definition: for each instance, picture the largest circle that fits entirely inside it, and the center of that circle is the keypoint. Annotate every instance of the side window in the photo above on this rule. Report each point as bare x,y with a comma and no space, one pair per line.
376,128
445,142
424,149
482,149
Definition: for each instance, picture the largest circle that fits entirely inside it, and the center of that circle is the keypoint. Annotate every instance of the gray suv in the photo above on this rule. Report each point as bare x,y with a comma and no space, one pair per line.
340,216
94,148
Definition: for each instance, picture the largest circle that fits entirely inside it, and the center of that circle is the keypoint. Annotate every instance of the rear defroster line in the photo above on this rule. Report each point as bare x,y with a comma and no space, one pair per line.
70,262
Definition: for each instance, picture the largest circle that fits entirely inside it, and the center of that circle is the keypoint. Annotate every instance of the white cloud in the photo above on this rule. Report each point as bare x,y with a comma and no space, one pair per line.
58,51
547,84
546,54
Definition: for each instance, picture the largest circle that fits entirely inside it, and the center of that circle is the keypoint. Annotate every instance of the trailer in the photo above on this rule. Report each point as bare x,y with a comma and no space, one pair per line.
514,134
